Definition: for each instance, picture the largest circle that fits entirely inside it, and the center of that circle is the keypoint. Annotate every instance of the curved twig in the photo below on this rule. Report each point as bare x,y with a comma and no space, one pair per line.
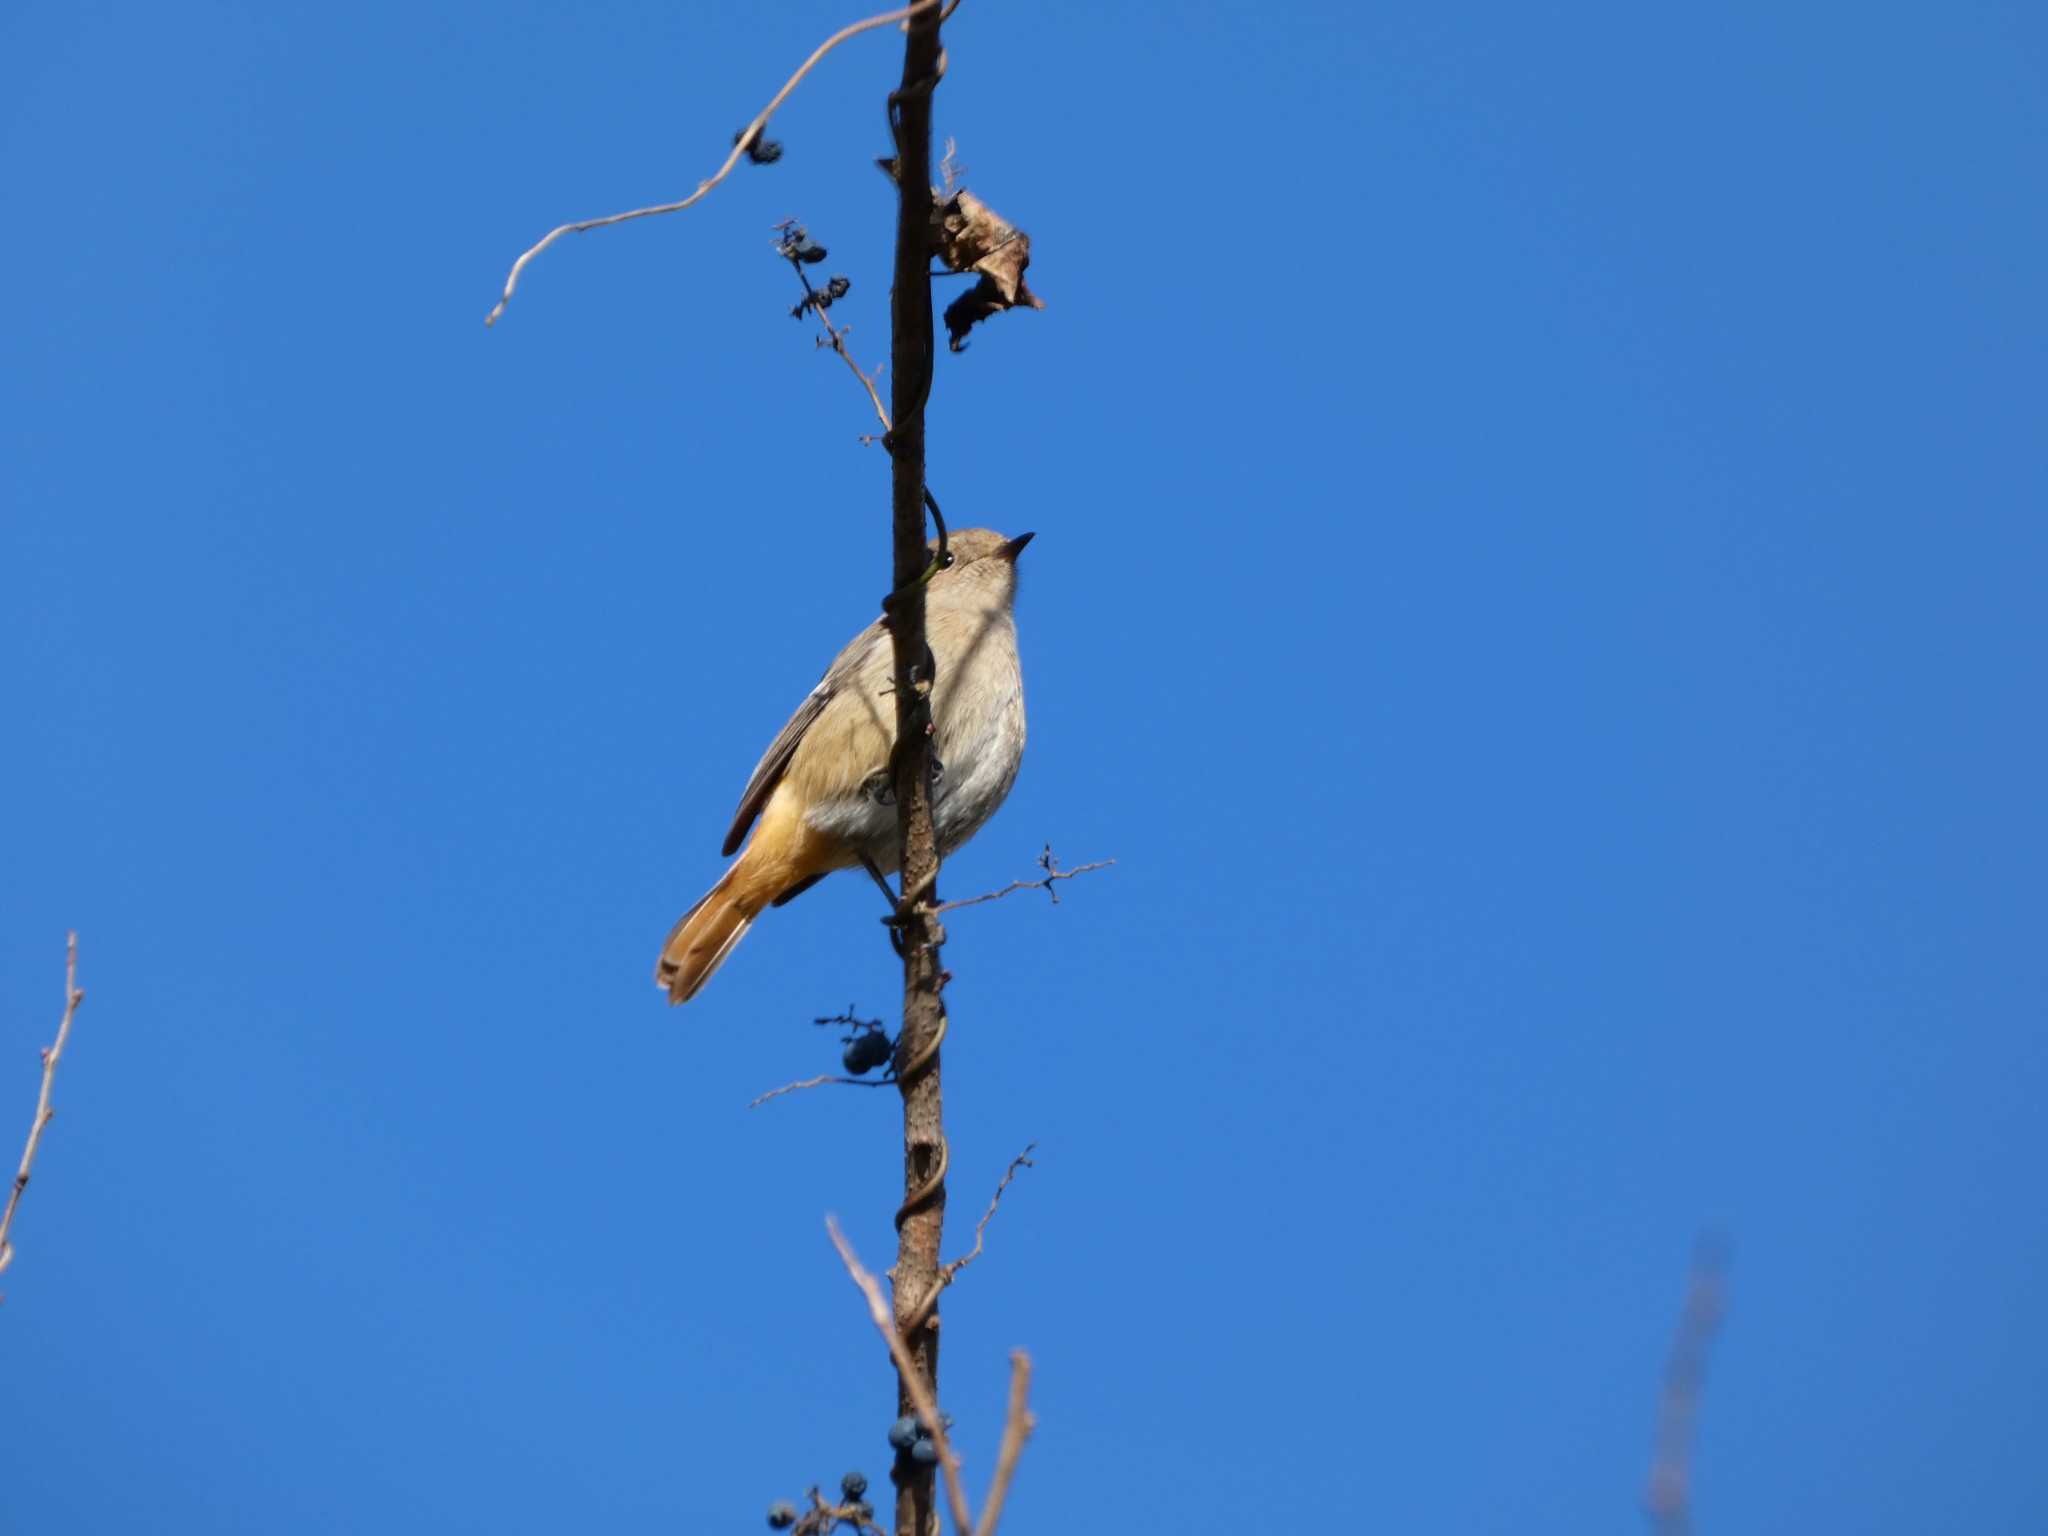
948,1273
746,137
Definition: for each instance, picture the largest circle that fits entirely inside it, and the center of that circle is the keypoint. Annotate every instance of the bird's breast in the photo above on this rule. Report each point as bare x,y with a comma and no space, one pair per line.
977,737
978,734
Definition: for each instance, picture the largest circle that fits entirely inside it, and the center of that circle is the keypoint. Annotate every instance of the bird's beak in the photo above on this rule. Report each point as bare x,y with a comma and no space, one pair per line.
1015,547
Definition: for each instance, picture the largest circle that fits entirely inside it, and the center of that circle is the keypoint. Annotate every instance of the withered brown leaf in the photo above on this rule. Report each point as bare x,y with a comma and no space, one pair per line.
969,236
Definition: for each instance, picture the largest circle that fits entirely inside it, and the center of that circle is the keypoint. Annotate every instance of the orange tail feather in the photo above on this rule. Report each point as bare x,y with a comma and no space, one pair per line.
699,943
784,858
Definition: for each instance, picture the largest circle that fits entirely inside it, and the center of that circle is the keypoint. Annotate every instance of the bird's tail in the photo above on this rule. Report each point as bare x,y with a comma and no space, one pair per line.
699,943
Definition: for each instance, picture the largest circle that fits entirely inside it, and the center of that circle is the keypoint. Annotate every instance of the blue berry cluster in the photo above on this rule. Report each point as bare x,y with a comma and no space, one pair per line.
868,1045
866,1051
796,244
908,1435
852,1511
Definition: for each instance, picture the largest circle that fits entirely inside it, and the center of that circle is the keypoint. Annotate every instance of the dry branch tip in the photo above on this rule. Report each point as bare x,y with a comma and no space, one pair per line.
1668,1497
74,995
747,142
1045,882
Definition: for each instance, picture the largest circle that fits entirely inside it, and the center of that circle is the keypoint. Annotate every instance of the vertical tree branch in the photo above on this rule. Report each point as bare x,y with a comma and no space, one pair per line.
920,1219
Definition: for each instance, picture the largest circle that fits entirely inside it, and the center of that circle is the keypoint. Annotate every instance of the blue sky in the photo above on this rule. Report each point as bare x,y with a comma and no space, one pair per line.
1538,587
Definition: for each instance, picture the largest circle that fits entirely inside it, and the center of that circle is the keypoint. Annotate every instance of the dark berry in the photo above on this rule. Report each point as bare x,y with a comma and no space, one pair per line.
924,1453
854,1484
781,1515
903,1433
866,1051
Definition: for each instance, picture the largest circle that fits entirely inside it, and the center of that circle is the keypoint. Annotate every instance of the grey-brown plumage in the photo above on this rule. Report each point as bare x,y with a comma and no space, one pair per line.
821,793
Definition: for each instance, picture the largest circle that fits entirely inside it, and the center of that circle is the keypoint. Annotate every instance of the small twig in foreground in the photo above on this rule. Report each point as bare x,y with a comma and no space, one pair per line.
949,1272
1669,1495
73,996
1017,1427
1044,883
913,1379
746,137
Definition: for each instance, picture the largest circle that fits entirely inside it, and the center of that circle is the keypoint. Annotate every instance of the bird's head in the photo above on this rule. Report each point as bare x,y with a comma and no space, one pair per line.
984,564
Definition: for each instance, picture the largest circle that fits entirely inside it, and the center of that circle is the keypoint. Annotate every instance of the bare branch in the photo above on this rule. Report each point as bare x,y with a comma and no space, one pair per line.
1669,1495
1021,1160
747,136
906,1368
949,1272
1017,1429
819,1082
1044,883
73,996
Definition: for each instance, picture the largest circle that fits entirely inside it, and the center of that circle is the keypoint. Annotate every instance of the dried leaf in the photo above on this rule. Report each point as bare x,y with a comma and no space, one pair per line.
972,237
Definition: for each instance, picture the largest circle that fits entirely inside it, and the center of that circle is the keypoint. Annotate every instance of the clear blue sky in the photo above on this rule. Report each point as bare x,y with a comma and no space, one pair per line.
1539,587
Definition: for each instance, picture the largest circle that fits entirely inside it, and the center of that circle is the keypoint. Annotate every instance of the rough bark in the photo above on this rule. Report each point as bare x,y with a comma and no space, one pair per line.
922,1216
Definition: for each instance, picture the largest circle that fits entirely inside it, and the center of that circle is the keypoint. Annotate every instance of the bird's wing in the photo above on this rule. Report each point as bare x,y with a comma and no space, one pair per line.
775,761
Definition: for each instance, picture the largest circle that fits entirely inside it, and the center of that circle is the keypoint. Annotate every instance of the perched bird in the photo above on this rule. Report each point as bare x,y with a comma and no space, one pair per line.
823,790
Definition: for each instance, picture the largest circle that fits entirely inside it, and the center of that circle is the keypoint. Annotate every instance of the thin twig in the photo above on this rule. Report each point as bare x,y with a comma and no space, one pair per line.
73,996
1669,1495
913,1379
838,344
1017,1429
1021,1160
949,1272
1044,883
748,135
819,1082
866,383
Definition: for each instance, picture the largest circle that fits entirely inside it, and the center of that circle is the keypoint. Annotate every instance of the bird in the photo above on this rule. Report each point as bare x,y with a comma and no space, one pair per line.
823,792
